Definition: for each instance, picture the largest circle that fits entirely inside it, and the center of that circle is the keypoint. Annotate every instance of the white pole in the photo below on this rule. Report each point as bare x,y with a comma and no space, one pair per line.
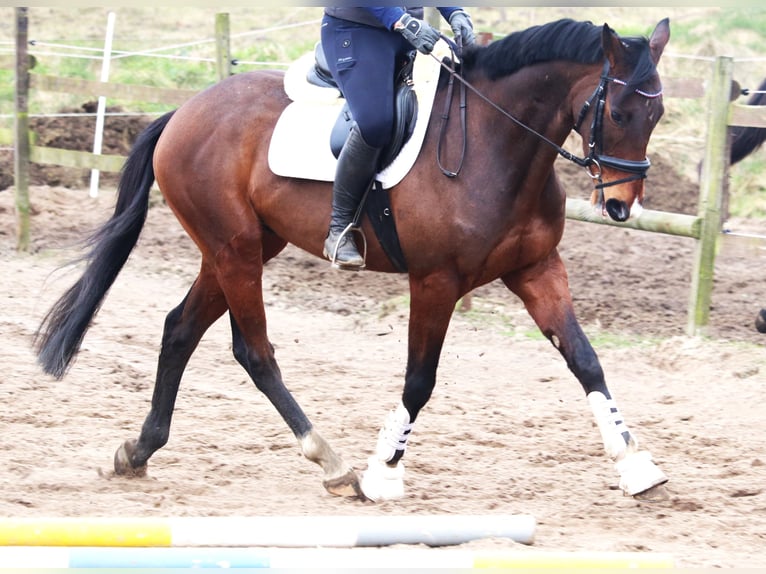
316,531
99,135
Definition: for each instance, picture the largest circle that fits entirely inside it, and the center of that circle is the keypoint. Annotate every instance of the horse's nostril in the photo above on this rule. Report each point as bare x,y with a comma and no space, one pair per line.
617,210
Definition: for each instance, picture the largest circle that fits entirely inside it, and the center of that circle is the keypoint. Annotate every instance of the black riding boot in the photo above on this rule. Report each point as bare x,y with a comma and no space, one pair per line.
357,166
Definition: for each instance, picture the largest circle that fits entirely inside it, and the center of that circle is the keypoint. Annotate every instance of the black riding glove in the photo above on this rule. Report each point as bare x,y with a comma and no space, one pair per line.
462,28
418,33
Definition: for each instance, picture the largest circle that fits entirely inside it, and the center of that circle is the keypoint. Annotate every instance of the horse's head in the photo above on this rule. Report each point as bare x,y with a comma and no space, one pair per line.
618,118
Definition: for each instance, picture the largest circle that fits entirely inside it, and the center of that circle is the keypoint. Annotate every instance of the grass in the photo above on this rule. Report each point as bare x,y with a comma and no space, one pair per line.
511,320
66,38
282,33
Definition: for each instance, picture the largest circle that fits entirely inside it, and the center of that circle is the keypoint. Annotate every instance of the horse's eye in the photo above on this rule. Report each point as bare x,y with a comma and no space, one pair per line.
617,117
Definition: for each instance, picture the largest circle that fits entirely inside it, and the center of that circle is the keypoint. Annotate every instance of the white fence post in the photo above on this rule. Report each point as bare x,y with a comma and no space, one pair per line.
99,135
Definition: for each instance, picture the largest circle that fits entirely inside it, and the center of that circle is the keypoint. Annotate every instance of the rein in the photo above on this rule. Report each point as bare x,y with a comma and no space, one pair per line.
445,120
637,169
448,104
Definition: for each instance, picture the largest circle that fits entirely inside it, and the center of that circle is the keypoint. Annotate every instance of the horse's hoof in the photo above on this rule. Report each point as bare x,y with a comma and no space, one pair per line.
122,457
760,321
657,493
346,485
381,481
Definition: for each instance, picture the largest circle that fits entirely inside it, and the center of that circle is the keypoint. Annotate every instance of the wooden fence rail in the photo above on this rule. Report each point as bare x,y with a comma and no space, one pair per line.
125,92
719,91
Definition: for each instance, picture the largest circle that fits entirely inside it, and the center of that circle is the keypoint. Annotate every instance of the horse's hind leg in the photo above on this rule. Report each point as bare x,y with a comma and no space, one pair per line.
545,292
240,272
184,327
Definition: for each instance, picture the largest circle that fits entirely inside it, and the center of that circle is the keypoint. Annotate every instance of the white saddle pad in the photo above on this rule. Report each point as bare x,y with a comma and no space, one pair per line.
300,144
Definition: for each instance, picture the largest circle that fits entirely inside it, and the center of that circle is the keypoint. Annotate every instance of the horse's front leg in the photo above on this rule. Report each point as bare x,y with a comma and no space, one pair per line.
544,289
432,301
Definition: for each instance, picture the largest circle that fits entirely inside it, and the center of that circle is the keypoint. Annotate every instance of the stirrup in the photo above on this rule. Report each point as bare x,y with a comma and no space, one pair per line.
350,228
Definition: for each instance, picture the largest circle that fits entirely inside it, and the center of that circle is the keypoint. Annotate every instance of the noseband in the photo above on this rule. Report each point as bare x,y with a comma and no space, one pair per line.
595,157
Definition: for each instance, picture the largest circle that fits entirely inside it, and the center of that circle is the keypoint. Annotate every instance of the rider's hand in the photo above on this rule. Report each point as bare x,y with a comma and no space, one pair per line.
418,33
462,28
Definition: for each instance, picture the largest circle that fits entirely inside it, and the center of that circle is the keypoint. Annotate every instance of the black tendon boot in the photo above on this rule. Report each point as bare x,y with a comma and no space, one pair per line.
357,166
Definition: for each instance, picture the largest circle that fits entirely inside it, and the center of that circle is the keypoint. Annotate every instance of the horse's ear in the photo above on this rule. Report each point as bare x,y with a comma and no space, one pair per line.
659,38
612,46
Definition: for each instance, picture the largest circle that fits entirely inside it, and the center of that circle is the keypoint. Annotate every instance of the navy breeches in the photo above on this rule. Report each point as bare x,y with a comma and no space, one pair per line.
363,60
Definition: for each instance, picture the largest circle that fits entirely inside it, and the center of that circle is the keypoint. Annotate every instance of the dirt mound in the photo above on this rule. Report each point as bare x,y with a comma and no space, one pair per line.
76,132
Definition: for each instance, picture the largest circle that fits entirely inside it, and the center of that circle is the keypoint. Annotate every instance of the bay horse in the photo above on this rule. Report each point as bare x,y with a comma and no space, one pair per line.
501,218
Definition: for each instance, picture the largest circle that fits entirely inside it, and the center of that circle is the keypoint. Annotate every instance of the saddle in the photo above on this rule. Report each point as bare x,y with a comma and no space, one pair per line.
405,105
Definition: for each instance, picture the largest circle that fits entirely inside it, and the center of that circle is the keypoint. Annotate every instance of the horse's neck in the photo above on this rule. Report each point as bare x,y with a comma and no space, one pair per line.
531,106
511,165
539,96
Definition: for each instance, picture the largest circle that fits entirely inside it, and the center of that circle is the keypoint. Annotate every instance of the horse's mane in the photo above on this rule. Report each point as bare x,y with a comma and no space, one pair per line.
564,39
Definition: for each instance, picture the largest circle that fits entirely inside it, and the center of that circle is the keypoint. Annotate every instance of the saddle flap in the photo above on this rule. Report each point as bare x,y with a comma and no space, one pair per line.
300,142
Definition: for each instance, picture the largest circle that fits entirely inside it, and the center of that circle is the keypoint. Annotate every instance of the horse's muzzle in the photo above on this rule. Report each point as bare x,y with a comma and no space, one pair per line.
617,209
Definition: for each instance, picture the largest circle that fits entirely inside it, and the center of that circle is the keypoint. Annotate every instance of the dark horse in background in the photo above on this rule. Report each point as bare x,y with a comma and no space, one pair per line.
744,141
501,218
747,139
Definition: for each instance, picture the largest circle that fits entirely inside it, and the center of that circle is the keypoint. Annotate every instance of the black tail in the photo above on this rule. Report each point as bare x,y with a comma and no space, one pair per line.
745,140
61,332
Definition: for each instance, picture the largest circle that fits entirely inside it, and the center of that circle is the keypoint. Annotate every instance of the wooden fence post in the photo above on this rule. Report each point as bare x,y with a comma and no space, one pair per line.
222,46
712,182
21,130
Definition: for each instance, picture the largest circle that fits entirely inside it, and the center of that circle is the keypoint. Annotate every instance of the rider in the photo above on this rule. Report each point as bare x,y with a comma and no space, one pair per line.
362,46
